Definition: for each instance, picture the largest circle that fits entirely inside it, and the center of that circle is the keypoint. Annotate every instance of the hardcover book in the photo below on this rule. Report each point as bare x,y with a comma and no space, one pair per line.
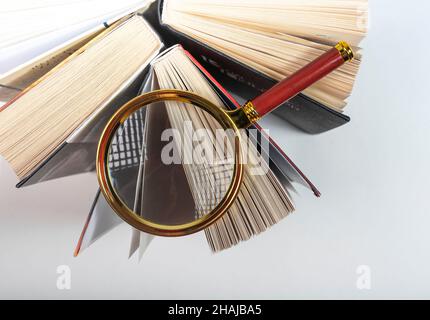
231,229
51,128
257,43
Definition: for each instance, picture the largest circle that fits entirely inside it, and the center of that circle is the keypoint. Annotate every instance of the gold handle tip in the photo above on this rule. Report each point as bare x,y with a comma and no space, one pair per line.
250,112
345,51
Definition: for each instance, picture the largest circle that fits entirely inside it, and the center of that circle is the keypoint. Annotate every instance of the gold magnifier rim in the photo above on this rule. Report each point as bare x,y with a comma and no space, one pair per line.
114,200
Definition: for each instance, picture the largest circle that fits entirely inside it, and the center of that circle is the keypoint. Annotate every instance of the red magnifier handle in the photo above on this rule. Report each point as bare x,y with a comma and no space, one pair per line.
302,79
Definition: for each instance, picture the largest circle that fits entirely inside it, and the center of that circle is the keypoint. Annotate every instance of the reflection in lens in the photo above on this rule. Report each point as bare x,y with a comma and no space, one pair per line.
171,163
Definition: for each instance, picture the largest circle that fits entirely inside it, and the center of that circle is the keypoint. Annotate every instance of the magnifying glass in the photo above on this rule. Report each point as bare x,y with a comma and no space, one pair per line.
169,162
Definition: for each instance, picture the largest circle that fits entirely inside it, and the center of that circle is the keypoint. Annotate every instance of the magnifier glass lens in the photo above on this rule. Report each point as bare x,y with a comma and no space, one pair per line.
171,163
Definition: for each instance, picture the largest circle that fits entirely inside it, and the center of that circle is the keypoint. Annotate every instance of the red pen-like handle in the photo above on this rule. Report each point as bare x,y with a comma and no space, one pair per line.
302,79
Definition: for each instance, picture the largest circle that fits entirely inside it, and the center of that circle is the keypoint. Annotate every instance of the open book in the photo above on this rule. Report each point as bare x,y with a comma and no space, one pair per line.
261,42
264,199
51,128
45,127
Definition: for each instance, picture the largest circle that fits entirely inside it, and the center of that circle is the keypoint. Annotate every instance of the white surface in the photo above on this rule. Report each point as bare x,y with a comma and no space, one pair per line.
374,211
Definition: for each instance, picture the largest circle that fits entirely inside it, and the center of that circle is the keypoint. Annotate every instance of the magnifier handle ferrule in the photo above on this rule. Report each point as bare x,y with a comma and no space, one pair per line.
302,79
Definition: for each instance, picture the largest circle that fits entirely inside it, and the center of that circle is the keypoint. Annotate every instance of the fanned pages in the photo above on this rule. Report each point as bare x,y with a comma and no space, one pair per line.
154,122
277,37
34,124
262,200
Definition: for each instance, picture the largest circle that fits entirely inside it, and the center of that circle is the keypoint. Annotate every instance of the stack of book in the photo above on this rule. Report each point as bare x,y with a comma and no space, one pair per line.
223,50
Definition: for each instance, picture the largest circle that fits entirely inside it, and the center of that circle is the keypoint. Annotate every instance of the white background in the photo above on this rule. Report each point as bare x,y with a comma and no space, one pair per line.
374,174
